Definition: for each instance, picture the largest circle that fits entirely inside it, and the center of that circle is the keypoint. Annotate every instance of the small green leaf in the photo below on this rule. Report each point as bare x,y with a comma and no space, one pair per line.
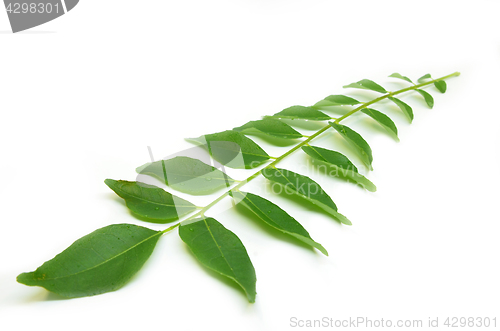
276,217
187,175
150,202
342,165
303,113
336,100
271,127
404,107
396,75
383,120
356,141
440,85
367,84
221,250
306,188
232,149
424,77
429,100
100,262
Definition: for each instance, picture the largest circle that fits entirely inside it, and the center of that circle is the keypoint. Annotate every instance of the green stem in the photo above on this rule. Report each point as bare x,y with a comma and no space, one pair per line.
170,228
201,213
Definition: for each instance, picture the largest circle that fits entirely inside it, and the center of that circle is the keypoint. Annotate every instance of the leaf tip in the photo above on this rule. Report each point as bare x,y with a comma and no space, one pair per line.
109,182
251,297
26,278
322,249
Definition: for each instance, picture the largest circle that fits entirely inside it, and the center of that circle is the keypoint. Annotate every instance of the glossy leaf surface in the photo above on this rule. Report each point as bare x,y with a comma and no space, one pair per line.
405,108
276,217
232,149
221,250
187,175
383,120
271,127
356,141
99,262
367,84
336,100
343,166
429,100
150,202
306,188
303,113
396,75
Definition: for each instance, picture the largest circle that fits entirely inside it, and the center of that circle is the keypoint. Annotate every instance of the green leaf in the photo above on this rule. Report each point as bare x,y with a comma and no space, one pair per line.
424,77
429,100
100,262
306,188
342,165
356,141
303,113
336,100
440,85
383,120
276,217
187,175
232,149
221,250
150,202
396,75
367,84
404,107
271,127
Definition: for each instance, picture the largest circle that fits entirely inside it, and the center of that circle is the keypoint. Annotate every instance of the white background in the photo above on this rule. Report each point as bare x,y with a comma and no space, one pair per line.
83,96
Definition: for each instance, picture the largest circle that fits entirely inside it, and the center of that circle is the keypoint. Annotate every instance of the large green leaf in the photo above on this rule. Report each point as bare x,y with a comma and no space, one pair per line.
99,262
232,149
356,141
383,120
220,250
303,113
396,75
187,175
271,127
404,107
367,84
306,188
336,100
150,202
275,217
429,100
342,166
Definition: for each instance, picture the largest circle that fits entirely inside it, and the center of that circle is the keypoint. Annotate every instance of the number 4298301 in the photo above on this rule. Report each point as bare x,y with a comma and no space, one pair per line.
32,8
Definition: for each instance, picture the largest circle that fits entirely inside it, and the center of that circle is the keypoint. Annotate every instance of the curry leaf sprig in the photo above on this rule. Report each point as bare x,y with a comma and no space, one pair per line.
107,258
